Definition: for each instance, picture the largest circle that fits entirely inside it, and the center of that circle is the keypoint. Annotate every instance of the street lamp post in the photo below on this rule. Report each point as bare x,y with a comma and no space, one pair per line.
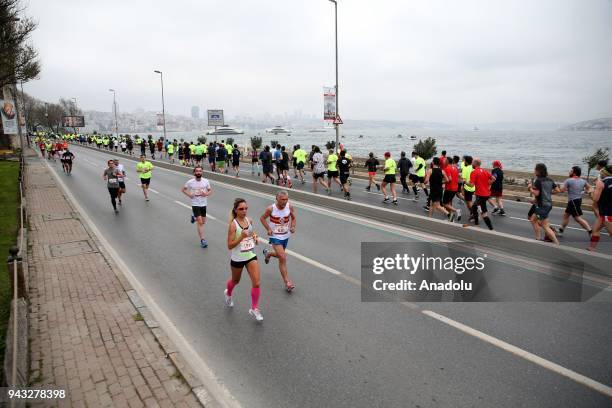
115,109
337,125
161,75
73,110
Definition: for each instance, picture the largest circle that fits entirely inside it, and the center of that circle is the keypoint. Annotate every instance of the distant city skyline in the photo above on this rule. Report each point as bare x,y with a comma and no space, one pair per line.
473,61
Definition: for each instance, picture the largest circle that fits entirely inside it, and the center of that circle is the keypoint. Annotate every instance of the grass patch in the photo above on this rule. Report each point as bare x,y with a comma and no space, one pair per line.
138,317
9,202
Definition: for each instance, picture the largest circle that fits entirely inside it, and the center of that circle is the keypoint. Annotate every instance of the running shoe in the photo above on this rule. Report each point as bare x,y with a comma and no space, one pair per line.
426,207
256,314
378,187
458,215
289,286
147,199
386,200
416,197
502,212
368,188
120,203
329,192
495,210
560,232
266,255
192,219
228,299
451,217
203,243
394,202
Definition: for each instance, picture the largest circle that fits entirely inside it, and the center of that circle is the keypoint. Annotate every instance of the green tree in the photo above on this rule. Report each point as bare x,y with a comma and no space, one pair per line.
202,140
256,142
273,143
230,141
592,160
330,144
426,148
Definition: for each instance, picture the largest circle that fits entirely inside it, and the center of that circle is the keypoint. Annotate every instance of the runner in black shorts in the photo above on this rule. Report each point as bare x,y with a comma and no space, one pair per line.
344,165
436,178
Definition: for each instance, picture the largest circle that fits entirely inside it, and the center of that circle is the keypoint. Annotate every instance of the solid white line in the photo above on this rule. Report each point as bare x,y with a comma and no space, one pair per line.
212,383
549,365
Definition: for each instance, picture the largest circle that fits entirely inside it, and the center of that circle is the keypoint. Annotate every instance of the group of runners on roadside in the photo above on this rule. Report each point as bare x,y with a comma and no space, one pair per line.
442,180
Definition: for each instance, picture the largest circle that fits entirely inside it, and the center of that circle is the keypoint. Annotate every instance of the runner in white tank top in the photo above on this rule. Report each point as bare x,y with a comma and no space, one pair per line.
279,220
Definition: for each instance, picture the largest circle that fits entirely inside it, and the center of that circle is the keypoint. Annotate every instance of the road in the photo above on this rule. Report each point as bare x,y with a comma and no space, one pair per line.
323,346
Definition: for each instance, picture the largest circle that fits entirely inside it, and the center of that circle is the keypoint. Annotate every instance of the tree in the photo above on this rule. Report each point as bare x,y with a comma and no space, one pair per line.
330,144
202,140
256,142
18,58
70,107
427,148
273,143
230,141
592,160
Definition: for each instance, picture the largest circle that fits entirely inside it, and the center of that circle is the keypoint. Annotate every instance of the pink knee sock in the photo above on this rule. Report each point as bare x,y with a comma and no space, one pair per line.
254,298
230,287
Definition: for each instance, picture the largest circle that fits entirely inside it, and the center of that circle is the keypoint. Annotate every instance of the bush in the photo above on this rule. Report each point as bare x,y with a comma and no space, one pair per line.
273,143
230,141
426,148
592,160
256,142
202,140
330,144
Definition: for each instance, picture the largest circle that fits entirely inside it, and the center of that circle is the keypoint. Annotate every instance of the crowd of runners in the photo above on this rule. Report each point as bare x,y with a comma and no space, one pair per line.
450,183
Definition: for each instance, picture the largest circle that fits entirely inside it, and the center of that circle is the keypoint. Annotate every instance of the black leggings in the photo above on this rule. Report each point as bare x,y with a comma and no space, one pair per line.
114,192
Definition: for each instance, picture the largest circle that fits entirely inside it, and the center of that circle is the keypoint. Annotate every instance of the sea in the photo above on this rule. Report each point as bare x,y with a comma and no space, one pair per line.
517,149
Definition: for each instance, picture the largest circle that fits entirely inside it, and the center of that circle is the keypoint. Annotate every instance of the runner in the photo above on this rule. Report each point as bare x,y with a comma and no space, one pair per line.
112,182
318,170
236,159
280,226
332,171
266,163
67,158
241,240
284,169
481,180
418,178
170,151
212,157
186,154
121,178
372,165
151,145
123,146
602,197
542,190
300,157
497,188
575,187
404,166
255,162
221,158
389,169
436,178
130,146
198,189
144,168
451,188
344,166
468,190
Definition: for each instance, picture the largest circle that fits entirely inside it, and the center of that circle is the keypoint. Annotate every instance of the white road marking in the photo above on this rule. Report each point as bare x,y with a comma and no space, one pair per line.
549,365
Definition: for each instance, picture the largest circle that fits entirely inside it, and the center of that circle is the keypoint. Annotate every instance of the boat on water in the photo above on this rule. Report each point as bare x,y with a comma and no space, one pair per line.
413,137
399,136
361,136
225,130
278,130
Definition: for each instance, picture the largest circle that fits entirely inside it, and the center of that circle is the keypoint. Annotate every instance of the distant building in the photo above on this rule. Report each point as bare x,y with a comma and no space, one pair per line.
195,112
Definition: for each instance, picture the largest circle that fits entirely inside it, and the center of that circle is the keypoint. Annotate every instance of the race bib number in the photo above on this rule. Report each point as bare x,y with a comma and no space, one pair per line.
113,181
281,229
247,244
120,179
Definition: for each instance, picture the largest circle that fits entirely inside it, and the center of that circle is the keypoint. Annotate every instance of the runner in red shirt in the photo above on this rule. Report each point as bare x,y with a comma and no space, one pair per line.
451,188
443,160
482,180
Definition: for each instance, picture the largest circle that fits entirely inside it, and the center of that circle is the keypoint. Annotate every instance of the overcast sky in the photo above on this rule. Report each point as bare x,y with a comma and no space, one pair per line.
448,61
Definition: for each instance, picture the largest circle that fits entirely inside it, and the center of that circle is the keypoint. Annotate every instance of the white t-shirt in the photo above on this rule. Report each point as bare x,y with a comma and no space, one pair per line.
198,187
319,163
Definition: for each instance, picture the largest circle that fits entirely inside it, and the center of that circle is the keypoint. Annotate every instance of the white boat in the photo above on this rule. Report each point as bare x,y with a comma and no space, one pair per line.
320,130
278,129
412,137
225,130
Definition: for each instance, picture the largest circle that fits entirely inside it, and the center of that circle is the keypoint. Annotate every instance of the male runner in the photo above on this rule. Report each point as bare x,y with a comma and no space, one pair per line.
318,170
418,178
67,158
144,168
300,157
481,180
389,169
198,189
372,165
602,198
344,166
575,186
121,178
332,170
279,220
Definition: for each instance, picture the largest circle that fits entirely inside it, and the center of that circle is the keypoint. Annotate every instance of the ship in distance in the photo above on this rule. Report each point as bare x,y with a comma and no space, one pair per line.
225,130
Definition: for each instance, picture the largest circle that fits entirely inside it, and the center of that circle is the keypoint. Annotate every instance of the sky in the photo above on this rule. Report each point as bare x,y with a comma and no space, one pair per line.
456,62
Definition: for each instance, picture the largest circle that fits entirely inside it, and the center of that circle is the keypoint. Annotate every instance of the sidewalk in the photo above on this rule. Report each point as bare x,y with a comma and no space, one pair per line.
85,333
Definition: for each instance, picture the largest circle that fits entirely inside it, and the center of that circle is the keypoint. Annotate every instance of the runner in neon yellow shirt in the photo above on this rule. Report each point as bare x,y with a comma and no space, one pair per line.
468,192
418,179
390,168
144,169
300,158
332,170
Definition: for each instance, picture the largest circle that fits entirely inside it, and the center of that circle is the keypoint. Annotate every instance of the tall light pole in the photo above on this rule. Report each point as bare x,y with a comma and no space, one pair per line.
115,109
161,75
337,108
73,109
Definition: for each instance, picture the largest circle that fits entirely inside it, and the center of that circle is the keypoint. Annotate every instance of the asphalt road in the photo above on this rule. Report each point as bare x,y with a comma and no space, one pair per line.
323,346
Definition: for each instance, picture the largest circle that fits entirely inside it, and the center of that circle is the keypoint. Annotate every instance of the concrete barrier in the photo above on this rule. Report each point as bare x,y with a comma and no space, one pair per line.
551,254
